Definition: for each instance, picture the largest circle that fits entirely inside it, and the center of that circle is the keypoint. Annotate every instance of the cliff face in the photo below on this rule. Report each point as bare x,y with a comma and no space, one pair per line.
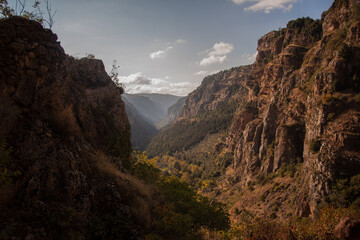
141,130
225,86
67,132
207,110
298,111
307,105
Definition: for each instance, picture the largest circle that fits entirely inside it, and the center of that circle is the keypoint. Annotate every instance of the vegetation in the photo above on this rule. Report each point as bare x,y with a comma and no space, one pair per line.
315,145
114,75
321,227
256,90
180,211
346,192
186,133
35,12
308,27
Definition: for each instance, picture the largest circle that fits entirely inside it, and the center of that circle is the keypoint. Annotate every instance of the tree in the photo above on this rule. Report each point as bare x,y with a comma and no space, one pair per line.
33,13
114,75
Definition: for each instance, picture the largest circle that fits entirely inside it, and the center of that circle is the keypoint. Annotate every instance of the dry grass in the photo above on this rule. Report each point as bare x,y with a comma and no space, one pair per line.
137,193
66,120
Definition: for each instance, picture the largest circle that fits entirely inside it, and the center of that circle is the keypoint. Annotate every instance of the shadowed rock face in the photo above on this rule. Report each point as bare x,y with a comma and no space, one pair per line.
348,229
302,91
305,94
57,114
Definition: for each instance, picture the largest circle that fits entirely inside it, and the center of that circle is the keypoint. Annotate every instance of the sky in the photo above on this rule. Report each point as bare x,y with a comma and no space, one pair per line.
169,46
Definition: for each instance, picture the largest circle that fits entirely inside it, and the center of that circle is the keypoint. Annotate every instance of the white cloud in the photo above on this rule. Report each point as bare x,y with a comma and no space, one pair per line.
213,59
160,53
251,57
217,54
140,83
266,5
201,73
180,41
220,48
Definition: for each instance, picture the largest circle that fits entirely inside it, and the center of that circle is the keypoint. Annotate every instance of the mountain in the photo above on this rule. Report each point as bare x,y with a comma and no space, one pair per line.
163,101
277,138
152,106
65,143
173,113
147,113
66,165
141,130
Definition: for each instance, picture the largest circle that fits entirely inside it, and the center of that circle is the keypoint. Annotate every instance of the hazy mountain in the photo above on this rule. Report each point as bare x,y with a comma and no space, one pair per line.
174,112
146,112
151,106
141,129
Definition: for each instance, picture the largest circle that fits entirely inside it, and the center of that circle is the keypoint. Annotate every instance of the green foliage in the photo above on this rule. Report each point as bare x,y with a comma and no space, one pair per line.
180,211
346,192
308,27
289,169
5,10
34,12
114,75
315,145
337,40
330,117
264,179
186,133
321,227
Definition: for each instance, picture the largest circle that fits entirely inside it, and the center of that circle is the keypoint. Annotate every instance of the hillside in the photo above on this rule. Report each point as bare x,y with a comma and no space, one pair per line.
62,122
66,168
152,107
141,130
174,112
282,134
148,112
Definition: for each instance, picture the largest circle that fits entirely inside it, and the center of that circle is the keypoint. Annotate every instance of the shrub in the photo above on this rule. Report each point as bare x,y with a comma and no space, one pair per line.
256,90
330,117
315,145
346,192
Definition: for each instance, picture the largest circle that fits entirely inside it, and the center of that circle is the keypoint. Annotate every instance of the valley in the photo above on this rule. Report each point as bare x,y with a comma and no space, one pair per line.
268,150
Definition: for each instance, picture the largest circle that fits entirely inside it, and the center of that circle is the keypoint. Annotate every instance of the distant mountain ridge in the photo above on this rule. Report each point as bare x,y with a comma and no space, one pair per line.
148,112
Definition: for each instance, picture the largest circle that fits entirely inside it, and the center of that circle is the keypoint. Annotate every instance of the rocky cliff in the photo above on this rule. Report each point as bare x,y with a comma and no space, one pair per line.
141,129
65,143
295,131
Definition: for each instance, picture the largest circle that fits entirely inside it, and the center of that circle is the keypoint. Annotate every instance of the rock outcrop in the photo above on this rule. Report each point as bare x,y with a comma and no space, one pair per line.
68,135
298,110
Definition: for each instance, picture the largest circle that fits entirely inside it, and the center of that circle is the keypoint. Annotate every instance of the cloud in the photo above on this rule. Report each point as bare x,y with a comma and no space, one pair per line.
213,59
217,54
160,53
180,41
201,73
266,5
251,57
140,83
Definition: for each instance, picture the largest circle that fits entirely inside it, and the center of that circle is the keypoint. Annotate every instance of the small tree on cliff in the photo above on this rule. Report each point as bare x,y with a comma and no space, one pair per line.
114,75
33,13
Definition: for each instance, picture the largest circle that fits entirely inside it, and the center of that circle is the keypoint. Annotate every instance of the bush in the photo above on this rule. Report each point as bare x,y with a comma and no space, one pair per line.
315,145
180,211
256,90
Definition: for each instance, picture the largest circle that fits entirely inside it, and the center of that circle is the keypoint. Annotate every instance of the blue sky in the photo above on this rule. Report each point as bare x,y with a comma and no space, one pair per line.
168,46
